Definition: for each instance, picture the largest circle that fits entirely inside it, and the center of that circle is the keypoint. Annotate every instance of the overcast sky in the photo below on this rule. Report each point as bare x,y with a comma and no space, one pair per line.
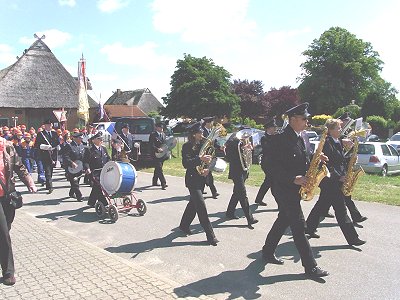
132,44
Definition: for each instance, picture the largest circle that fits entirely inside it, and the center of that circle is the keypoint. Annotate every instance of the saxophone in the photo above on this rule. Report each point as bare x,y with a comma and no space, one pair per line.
352,175
208,148
314,173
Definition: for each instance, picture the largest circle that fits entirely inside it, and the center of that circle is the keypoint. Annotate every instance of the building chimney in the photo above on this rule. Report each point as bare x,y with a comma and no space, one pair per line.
119,92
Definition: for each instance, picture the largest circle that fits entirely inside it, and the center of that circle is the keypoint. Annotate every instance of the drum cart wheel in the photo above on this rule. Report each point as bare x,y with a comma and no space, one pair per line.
100,209
113,213
141,207
127,202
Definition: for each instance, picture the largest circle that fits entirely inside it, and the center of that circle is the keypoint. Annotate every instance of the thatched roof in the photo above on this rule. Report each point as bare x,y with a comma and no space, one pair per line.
143,98
38,80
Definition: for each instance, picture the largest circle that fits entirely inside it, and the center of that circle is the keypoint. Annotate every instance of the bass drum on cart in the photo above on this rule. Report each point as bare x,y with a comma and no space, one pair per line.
118,177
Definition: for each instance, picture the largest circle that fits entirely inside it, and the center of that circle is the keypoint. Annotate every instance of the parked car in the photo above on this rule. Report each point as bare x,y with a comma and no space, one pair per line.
379,158
395,141
312,135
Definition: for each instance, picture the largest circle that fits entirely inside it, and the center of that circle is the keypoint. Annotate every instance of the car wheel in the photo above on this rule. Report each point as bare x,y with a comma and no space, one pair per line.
384,171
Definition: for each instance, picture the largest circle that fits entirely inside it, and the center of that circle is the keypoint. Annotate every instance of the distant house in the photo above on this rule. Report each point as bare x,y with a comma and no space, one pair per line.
134,103
35,85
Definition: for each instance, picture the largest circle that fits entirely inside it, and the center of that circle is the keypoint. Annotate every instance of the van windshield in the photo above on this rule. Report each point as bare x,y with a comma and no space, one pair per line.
136,126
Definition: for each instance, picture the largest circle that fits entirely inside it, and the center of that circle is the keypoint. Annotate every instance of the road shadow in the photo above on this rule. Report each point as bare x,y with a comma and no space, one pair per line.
169,199
164,242
54,201
78,215
240,283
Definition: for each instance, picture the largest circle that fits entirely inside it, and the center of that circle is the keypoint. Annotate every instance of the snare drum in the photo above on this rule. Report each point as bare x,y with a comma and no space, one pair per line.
118,177
219,165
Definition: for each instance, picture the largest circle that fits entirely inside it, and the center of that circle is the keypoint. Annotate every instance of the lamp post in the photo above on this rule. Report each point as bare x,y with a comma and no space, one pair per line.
15,119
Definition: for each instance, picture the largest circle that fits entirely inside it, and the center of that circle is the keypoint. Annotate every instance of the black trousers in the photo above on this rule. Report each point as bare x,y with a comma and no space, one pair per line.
290,215
265,186
158,172
239,195
353,210
48,174
96,194
74,182
197,206
7,214
332,196
210,183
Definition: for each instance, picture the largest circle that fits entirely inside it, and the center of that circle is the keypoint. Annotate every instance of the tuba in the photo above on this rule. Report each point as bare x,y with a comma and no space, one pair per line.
208,148
245,152
314,173
352,175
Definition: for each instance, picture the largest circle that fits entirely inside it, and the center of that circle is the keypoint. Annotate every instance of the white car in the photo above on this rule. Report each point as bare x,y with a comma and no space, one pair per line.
380,158
395,141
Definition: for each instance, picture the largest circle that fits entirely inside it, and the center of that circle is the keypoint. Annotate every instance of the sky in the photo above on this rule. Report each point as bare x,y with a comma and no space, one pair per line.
134,44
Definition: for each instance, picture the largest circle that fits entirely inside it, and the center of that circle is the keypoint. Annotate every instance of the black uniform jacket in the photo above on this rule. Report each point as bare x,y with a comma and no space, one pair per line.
128,140
336,164
232,152
44,138
288,160
266,151
74,152
94,159
155,142
191,159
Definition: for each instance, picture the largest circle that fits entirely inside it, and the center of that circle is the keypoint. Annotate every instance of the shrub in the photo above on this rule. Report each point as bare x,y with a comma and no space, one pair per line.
318,120
379,125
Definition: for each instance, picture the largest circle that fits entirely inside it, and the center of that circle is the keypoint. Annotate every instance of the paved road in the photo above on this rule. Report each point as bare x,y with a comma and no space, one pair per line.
234,269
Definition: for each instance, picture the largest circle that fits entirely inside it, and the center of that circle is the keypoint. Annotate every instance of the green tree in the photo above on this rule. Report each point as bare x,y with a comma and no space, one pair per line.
200,88
353,109
339,68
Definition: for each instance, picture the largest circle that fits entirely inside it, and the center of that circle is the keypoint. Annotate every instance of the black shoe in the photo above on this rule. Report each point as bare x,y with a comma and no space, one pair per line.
357,242
204,193
251,222
231,217
261,203
316,272
272,259
215,196
187,231
10,280
164,187
362,219
313,235
79,199
213,242
329,215
49,191
71,195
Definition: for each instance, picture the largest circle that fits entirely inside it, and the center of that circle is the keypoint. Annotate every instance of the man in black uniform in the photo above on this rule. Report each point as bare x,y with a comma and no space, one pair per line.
94,161
156,140
47,143
239,176
73,158
124,140
207,126
331,193
195,183
270,129
289,167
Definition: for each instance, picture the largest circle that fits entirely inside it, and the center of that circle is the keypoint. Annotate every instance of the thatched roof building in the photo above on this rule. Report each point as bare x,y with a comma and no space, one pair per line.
35,85
134,103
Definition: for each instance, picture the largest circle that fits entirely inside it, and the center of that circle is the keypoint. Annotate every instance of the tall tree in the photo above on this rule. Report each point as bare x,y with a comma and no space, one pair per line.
339,68
200,88
250,94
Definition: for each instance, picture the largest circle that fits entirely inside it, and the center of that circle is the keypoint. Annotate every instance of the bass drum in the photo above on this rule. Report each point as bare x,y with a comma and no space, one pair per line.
118,177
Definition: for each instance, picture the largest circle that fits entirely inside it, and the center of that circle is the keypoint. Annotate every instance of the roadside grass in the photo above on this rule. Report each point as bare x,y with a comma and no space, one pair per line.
369,188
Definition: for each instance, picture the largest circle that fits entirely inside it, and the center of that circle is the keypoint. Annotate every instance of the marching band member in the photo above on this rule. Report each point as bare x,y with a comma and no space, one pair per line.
238,176
207,126
270,130
74,154
94,160
125,141
156,140
288,166
331,193
47,155
27,152
195,184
